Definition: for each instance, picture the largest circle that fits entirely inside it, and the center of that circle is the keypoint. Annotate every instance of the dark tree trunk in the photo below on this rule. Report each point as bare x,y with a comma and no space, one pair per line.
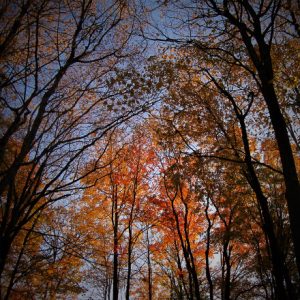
227,283
288,164
277,258
129,263
254,39
149,268
189,264
4,251
191,256
116,246
268,226
263,64
130,238
183,288
207,269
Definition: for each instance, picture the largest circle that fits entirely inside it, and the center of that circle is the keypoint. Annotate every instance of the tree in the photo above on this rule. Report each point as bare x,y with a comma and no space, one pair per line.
177,191
243,35
194,199
217,105
61,92
46,258
115,205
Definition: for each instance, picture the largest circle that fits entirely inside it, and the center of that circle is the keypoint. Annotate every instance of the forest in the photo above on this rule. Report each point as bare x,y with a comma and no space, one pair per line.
150,149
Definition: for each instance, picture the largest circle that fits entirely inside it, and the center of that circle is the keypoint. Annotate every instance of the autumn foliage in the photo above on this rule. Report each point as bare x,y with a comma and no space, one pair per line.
149,149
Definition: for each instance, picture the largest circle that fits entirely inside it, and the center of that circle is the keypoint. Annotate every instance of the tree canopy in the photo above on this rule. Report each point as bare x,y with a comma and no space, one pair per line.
149,149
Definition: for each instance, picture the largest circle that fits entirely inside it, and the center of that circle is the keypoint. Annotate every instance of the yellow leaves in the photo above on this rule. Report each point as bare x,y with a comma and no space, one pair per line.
271,153
252,144
168,56
196,79
50,271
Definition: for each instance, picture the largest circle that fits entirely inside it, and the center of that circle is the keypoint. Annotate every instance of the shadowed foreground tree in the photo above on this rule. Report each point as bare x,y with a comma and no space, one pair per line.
207,112
61,90
244,35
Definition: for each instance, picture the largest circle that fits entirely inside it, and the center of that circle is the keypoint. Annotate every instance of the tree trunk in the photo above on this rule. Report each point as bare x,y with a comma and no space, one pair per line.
129,263
116,246
182,285
288,164
4,251
278,263
190,253
263,64
186,253
276,256
149,268
207,269
227,284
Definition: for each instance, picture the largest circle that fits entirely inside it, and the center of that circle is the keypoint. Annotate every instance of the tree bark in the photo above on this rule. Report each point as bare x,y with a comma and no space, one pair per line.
116,245
129,261
278,263
207,269
264,66
268,226
149,267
